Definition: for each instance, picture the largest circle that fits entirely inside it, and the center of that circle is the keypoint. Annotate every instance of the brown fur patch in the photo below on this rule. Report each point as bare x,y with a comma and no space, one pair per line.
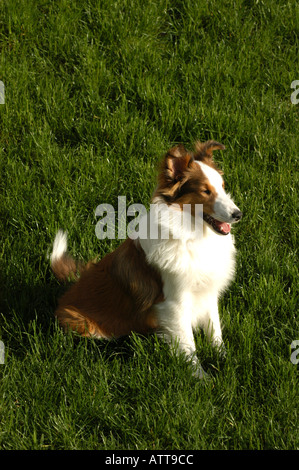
66,268
172,172
113,297
71,319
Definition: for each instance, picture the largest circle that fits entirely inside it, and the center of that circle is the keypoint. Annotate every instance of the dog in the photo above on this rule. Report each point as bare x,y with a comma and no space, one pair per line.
169,286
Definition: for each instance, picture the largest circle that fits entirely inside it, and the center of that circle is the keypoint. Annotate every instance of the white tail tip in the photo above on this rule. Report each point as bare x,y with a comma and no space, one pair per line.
59,246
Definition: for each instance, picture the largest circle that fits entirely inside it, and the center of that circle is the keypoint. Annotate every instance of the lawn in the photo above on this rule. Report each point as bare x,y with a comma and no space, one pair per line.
95,93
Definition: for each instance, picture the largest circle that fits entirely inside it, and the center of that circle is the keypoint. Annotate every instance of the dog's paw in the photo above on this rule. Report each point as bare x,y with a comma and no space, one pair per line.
222,350
199,373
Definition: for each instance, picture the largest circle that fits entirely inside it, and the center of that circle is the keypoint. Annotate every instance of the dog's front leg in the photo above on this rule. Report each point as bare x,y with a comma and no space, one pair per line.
175,325
212,327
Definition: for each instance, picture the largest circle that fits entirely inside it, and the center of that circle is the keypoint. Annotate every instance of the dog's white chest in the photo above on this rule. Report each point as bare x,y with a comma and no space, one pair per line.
211,262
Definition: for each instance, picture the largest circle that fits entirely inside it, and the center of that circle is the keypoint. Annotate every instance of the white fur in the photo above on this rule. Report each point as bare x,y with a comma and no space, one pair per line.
59,246
194,270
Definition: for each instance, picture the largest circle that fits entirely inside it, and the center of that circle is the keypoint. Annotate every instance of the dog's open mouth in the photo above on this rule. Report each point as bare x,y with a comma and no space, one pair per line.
220,227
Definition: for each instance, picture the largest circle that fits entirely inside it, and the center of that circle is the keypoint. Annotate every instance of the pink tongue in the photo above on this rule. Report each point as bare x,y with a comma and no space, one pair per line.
223,226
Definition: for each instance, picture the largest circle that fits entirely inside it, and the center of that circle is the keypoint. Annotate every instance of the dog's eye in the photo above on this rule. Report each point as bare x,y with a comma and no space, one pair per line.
207,191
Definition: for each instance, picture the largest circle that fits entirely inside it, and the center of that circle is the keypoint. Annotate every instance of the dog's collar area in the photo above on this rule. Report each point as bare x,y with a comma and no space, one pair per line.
220,227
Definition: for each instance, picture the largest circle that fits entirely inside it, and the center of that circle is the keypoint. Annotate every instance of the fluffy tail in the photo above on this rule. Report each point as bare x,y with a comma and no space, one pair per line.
63,265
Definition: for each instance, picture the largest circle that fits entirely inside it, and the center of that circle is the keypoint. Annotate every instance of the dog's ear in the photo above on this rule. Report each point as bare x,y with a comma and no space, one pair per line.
204,150
177,160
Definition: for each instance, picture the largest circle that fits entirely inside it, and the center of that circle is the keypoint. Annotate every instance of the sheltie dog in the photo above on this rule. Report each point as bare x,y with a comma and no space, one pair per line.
168,285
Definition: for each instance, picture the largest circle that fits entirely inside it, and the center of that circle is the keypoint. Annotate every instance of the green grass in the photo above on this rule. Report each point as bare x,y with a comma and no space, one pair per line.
96,92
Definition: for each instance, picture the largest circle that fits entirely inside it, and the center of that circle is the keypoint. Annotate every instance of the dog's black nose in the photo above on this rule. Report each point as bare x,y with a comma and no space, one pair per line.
237,215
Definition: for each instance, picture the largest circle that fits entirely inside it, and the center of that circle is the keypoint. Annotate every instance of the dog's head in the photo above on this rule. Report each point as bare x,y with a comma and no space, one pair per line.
193,178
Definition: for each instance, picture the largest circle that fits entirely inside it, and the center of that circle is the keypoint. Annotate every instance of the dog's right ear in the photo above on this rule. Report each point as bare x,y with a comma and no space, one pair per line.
177,160
204,150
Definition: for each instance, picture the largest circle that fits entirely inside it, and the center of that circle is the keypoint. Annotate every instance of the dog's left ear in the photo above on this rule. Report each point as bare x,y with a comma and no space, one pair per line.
204,150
